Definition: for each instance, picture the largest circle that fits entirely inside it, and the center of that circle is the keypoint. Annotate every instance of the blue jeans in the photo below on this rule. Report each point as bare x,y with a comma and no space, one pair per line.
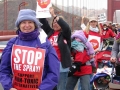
62,81
91,85
84,82
79,86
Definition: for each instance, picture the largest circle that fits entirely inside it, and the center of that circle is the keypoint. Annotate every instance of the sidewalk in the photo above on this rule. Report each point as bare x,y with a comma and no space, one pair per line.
76,87
1,87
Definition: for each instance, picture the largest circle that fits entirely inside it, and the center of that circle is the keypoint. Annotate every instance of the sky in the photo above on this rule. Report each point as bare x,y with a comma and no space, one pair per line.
90,4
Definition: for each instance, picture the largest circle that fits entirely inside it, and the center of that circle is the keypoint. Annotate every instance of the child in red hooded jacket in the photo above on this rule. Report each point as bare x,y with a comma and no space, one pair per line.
82,52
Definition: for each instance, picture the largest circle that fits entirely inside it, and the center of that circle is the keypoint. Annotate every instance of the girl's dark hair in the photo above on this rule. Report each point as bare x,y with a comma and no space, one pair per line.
56,17
53,20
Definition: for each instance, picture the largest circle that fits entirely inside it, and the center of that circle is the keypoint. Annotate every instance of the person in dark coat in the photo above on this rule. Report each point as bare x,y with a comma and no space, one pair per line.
60,38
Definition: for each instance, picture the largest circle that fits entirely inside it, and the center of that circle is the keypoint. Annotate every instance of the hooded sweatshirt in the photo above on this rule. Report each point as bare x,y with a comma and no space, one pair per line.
83,56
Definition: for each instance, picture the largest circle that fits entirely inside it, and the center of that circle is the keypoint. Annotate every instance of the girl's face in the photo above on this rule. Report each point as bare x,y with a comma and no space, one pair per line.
27,26
105,27
77,39
93,24
55,25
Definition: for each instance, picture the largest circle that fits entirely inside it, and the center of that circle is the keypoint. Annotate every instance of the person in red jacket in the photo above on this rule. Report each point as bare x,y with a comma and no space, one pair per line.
107,32
82,52
93,32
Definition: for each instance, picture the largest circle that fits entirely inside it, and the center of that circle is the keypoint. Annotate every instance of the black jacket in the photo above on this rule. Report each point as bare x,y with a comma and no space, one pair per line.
65,34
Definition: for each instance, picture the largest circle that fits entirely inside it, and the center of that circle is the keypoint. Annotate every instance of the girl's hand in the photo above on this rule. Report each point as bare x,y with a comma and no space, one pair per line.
96,51
51,10
13,89
83,17
91,56
113,59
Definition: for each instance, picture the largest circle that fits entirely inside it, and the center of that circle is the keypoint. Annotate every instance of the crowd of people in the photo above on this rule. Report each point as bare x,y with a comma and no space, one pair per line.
68,57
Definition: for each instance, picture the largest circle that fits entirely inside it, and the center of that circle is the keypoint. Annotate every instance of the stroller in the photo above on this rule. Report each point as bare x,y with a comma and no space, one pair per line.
105,53
115,78
102,77
107,81
101,81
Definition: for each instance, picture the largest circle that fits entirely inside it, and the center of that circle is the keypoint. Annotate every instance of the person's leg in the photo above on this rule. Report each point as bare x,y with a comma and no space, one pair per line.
91,85
71,82
62,81
79,85
55,88
85,82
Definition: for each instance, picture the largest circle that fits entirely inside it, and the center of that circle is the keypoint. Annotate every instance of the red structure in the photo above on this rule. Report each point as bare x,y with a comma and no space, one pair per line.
113,5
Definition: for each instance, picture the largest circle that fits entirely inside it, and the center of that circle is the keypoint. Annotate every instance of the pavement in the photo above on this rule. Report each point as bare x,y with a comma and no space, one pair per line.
1,87
76,87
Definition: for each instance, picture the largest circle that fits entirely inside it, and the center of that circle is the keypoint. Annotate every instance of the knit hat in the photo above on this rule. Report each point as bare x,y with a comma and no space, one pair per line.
79,34
93,19
27,14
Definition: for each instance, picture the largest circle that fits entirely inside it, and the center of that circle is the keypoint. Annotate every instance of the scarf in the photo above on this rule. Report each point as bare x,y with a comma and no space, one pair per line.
79,46
94,29
28,36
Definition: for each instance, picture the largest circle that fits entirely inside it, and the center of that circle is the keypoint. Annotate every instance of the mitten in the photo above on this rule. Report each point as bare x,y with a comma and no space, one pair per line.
93,64
75,67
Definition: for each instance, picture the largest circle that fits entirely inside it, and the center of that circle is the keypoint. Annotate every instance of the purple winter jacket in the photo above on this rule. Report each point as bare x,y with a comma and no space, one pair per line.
51,65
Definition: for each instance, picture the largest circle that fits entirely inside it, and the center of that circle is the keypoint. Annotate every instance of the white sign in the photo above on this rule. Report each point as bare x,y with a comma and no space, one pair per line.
102,18
42,10
95,41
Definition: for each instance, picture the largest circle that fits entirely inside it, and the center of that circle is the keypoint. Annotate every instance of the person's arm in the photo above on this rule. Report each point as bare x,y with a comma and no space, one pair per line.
115,49
45,25
53,69
82,23
5,68
90,48
112,34
66,31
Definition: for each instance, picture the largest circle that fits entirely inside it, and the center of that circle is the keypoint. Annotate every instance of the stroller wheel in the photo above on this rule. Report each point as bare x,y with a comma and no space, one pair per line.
101,83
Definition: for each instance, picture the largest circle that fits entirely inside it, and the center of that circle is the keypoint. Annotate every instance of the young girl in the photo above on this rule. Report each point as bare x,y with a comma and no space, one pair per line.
93,31
82,52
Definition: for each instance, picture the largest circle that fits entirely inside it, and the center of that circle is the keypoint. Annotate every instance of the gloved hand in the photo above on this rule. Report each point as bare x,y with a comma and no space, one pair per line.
93,64
75,67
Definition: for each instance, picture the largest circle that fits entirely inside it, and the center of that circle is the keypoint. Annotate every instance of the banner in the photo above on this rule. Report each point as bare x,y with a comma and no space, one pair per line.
95,41
42,10
102,18
27,67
